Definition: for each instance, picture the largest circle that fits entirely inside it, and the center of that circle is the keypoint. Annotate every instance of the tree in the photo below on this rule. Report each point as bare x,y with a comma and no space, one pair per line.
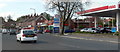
9,19
20,19
66,9
2,20
46,15
112,22
81,26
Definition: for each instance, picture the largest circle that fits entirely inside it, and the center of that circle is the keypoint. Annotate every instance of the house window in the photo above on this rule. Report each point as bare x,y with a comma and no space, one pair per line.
41,18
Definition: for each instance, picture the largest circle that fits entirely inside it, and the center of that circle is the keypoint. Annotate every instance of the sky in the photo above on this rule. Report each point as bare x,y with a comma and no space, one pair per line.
17,8
99,3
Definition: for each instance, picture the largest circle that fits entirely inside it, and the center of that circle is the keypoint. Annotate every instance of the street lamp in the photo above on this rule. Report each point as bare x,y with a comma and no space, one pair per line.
33,9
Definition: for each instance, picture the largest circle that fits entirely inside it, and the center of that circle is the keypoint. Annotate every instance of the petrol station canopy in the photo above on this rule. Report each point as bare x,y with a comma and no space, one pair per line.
105,11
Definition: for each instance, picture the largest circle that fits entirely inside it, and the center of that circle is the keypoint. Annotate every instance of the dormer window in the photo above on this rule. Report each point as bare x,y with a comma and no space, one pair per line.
41,18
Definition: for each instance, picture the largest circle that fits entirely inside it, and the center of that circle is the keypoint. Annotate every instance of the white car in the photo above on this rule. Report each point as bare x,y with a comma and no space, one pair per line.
94,30
84,30
26,35
4,31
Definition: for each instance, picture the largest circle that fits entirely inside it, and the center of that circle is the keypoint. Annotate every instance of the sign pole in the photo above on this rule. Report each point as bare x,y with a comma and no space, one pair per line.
117,21
95,22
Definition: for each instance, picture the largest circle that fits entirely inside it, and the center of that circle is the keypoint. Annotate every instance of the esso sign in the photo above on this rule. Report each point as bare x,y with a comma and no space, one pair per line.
113,6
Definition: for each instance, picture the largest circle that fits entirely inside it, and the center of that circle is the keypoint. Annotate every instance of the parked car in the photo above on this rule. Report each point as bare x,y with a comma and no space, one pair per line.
0,30
84,30
105,30
69,31
39,31
26,35
47,31
4,31
113,30
13,32
94,30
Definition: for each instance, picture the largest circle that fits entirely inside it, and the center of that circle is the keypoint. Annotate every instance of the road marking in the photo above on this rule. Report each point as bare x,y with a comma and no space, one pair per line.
69,45
0,41
88,39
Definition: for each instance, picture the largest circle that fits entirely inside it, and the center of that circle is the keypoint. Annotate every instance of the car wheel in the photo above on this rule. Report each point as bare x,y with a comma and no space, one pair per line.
110,32
93,31
21,41
35,41
17,40
10,33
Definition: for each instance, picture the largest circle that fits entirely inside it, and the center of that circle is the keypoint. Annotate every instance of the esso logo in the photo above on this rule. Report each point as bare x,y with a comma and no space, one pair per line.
113,6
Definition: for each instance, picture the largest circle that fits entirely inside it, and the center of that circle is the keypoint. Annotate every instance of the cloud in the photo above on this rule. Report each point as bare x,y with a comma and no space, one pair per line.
13,14
98,3
3,1
4,14
2,5
6,0
27,0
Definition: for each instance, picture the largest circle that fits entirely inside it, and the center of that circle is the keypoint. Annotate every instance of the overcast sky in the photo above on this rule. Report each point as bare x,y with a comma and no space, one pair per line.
17,8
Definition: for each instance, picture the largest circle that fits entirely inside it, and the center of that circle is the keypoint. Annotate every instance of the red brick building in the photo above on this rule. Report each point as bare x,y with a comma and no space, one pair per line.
86,23
33,21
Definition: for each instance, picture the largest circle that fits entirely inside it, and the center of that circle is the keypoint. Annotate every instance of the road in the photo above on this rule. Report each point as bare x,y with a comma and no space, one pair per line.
51,42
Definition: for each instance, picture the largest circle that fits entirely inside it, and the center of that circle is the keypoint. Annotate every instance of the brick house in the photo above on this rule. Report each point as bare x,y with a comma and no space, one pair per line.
36,21
69,24
2,22
9,25
86,23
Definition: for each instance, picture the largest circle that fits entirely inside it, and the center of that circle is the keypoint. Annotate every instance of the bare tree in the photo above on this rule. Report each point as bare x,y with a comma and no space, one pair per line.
9,18
66,9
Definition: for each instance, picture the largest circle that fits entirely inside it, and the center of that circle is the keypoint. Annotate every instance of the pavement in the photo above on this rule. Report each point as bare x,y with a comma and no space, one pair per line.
0,42
94,37
51,42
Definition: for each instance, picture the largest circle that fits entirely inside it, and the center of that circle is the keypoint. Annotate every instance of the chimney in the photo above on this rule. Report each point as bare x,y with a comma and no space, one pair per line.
35,15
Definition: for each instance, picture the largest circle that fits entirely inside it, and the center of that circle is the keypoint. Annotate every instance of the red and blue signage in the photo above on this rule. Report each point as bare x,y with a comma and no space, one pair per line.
56,29
56,24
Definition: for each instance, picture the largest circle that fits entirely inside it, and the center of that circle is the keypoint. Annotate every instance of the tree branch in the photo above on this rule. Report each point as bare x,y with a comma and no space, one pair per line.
70,12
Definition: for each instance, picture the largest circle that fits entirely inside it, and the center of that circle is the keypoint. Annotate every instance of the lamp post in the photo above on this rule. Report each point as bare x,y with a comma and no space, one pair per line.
33,9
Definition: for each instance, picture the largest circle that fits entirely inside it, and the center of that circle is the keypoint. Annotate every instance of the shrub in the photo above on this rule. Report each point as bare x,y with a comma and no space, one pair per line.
117,33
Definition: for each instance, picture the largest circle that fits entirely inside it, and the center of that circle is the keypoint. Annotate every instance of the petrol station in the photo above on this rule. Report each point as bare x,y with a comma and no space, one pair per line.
104,11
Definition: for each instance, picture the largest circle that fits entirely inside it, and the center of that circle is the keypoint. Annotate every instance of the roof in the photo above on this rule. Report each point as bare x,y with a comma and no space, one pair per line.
35,18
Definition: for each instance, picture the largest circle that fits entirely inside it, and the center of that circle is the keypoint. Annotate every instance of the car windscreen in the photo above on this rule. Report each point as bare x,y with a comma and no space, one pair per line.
85,28
93,29
28,32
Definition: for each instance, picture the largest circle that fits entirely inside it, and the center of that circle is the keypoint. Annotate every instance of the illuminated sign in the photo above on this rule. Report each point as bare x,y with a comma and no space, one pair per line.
98,9
113,6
